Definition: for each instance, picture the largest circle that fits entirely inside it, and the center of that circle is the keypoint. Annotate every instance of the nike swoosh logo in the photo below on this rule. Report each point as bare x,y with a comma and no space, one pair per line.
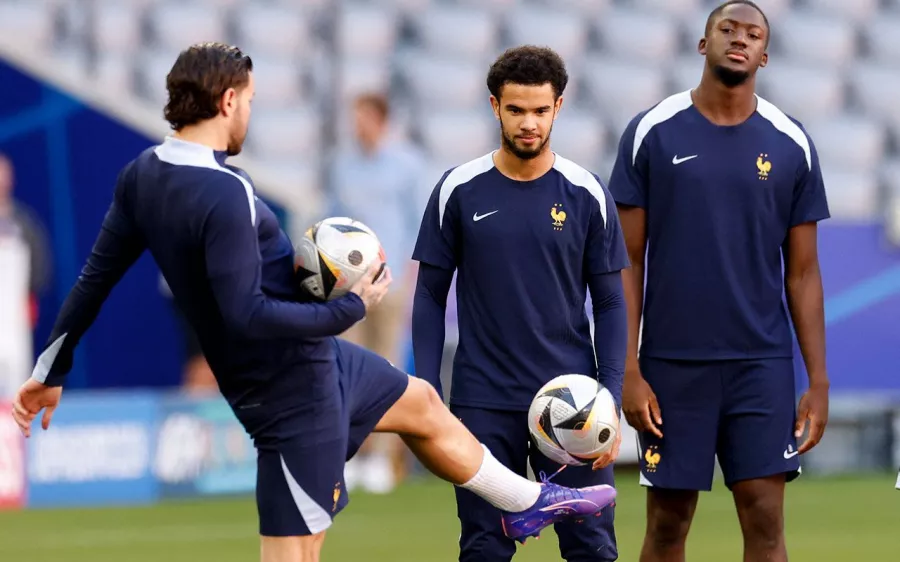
676,160
789,455
476,217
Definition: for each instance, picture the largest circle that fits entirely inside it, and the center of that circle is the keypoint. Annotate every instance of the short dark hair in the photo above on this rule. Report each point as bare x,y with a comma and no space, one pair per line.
198,79
377,101
717,11
528,65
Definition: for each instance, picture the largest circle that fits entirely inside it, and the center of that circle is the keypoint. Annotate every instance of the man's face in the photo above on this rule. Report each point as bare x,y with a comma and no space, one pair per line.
735,47
238,115
526,115
369,124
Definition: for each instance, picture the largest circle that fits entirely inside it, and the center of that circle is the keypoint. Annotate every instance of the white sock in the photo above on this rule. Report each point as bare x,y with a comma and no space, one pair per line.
501,487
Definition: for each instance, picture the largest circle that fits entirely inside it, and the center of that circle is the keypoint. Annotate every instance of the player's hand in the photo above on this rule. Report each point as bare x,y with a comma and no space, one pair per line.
639,404
611,456
813,408
30,400
369,290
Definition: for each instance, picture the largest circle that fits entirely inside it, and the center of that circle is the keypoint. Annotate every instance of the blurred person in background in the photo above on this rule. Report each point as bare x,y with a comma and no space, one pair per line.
17,219
379,179
24,274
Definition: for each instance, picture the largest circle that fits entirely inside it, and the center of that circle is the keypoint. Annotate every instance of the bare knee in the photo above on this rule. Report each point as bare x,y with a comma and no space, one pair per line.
669,516
291,549
420,412
760,507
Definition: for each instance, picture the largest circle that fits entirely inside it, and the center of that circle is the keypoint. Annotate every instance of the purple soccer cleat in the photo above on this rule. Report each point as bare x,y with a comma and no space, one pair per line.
556,503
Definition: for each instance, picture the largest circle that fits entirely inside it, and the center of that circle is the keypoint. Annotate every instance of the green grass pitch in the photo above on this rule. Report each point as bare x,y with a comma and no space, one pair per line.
840,520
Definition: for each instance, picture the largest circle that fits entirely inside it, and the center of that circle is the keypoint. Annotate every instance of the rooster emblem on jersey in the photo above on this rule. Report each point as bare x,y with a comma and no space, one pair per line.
652,458
336,496
558,216
764,166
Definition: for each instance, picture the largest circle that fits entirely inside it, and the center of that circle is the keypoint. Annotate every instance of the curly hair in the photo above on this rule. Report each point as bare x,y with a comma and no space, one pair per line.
528,65
198,79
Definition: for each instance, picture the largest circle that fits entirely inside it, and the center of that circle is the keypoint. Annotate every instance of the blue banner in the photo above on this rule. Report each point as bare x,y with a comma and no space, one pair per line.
202,449
98,451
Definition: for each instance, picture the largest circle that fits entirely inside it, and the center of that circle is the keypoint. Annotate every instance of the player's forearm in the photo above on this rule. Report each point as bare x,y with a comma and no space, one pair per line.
633,289
610,330
268,318
806,304
428,330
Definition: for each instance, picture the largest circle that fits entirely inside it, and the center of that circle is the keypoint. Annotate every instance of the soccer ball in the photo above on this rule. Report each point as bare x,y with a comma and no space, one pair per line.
333,254
573,420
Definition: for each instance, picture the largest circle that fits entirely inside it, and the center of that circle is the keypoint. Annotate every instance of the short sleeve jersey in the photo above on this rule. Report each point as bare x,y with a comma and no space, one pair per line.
720,201
523,252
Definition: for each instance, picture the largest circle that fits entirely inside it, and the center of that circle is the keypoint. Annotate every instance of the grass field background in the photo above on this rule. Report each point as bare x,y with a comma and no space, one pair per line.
828,520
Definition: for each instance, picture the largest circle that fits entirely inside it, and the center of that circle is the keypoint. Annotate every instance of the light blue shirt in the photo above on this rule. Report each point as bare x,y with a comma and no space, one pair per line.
387,191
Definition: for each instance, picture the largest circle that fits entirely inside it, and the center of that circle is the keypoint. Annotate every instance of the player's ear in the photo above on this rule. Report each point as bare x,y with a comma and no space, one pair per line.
701,46
495,105
764,60
229,102
557,107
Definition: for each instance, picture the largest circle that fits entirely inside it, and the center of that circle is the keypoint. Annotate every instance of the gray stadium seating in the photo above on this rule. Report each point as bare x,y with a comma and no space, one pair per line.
833,65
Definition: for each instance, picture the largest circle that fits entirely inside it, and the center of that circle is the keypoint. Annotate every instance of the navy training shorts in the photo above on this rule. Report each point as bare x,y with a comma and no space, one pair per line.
300,478
741,411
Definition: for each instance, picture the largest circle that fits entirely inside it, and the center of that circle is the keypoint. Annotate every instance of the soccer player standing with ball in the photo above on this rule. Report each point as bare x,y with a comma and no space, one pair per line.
724,186
528,232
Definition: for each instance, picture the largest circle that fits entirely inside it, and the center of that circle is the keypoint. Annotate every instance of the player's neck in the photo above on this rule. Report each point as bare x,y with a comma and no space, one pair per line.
723,105
205,135
518,169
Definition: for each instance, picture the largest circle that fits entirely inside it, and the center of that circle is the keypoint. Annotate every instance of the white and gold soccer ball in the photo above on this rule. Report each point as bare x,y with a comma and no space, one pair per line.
573,420
333,254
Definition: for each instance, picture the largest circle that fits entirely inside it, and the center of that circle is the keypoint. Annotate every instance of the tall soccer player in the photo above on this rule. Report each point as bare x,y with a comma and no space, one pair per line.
306,398
723,186
528,233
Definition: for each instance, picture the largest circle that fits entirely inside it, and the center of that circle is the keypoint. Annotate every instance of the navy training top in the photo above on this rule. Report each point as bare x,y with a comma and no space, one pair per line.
720,201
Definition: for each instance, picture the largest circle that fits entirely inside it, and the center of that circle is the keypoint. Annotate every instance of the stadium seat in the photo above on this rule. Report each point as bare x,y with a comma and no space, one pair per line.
853,196
175,25
684,72
29,25
565,31
116,27
672,7
622,89
495,6
150,77
271,30
580,137
288,134
857,11
114,71
279,82
890,175
586,8
877,88
630,35
815,39
456,136
849,142
444,82
365,30
802,91
358,75
407,7
883,39
438,30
